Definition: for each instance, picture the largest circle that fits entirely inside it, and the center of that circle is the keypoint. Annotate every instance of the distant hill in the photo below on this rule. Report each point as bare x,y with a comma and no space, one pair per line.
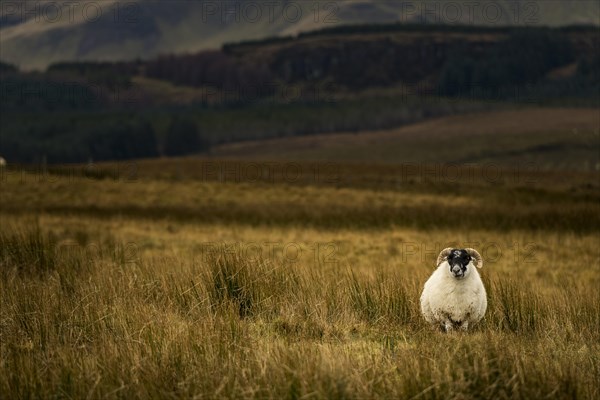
36,34
549,138
341,78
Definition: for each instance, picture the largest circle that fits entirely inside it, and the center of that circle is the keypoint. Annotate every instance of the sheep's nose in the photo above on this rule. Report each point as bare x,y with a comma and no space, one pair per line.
456,269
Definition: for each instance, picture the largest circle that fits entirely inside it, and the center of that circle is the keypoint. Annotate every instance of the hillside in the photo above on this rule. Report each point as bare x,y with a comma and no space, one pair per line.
547,138
344,79
36,35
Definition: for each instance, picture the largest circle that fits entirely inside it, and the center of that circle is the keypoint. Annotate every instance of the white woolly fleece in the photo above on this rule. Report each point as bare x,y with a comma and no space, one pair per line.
452,302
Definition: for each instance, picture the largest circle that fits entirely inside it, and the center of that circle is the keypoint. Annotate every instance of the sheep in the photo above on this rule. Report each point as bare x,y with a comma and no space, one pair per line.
454,295
2,162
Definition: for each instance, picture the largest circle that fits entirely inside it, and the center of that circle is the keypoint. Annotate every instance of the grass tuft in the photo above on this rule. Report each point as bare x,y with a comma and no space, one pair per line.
27,250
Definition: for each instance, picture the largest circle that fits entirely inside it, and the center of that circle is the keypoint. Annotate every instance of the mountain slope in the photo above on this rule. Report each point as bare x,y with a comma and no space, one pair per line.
548,138
36,34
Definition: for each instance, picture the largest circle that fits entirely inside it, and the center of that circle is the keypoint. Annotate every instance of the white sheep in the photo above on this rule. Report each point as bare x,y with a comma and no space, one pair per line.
2,162
454,295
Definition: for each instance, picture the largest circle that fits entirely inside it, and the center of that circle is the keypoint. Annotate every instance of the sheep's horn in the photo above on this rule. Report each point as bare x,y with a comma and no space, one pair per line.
475,255
443,256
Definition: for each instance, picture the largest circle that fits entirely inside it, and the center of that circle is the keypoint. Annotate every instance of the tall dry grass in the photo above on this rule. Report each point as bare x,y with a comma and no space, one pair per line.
107,290
81,324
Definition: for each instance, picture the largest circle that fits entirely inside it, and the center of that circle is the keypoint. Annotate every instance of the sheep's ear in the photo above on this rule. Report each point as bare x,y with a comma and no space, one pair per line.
443,256
476,256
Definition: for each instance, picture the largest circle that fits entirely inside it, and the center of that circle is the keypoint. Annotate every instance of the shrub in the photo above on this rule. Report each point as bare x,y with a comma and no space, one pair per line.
182,138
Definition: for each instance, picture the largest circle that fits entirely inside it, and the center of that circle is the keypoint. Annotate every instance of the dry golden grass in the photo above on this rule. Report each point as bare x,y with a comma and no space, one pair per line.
398,201
109,290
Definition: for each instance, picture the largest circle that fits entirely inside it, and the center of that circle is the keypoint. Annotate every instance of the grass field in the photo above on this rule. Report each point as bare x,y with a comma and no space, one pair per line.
189,278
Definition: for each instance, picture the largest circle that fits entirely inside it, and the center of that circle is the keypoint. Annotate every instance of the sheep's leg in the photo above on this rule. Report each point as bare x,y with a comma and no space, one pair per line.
448,326
464,326
446,322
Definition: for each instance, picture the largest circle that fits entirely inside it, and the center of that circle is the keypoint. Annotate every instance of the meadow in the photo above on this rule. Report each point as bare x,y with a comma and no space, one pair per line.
190,278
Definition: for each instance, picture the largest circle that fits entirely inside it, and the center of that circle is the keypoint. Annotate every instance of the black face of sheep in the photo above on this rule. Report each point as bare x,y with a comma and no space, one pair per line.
458,260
